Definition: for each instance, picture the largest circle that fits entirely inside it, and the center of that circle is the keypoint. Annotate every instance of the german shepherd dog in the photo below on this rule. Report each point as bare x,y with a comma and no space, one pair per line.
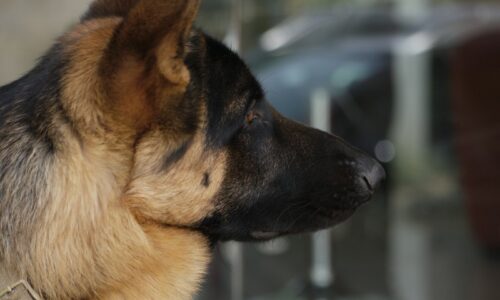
138,142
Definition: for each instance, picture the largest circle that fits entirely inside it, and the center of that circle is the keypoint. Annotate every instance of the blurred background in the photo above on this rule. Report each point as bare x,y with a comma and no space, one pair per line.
416,83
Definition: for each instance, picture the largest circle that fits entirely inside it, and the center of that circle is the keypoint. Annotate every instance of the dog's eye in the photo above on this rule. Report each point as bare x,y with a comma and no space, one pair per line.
251,117
252,114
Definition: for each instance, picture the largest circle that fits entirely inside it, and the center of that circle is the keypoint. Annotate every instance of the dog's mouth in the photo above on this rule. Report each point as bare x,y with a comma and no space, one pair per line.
336,216
321,220
263,235
265,222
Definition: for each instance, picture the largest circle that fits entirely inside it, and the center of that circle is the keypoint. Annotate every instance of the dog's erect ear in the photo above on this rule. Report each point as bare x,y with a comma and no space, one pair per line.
144,60
157,31
109,8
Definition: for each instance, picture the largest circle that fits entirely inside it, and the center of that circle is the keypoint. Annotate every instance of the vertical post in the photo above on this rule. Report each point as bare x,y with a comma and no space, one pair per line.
322,274
234,254
234,250
409,239
412,77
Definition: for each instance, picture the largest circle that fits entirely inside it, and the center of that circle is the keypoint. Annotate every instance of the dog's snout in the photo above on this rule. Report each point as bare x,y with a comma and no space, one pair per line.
373,173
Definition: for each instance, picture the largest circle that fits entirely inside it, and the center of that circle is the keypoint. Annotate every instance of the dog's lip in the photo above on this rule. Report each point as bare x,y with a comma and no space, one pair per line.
264,235
337,215
332,217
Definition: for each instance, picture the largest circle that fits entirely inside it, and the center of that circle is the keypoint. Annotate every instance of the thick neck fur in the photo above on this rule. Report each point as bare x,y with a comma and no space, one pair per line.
64,226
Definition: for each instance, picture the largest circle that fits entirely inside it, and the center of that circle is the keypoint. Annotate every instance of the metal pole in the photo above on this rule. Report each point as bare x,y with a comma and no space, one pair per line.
322,274
234,254
234,250
410,240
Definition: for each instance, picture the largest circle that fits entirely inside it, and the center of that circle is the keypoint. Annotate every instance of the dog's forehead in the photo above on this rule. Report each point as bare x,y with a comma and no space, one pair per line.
229,86
228,74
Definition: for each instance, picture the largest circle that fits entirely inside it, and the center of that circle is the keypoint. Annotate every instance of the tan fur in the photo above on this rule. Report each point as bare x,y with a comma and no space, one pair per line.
180,260
97,235
97,108
96,244
184,200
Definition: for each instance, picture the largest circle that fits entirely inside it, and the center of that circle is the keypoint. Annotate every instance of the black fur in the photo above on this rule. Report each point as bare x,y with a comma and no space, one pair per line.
282,177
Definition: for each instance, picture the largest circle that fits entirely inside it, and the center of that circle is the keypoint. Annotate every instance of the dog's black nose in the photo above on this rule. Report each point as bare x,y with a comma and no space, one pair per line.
373,173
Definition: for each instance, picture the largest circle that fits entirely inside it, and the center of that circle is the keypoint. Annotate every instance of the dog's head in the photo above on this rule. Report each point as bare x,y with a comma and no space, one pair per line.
209,152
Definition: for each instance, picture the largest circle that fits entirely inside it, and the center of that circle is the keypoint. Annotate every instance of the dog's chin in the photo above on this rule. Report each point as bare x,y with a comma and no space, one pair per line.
265,235
322,220
269,228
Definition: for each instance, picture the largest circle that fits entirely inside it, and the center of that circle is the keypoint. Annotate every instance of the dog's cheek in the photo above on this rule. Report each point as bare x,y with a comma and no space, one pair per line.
184,192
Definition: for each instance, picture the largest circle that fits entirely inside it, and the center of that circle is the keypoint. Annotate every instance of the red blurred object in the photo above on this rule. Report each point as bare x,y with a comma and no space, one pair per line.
476,110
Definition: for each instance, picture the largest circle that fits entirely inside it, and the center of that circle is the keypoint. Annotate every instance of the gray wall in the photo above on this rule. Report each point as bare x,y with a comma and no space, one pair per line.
28,28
